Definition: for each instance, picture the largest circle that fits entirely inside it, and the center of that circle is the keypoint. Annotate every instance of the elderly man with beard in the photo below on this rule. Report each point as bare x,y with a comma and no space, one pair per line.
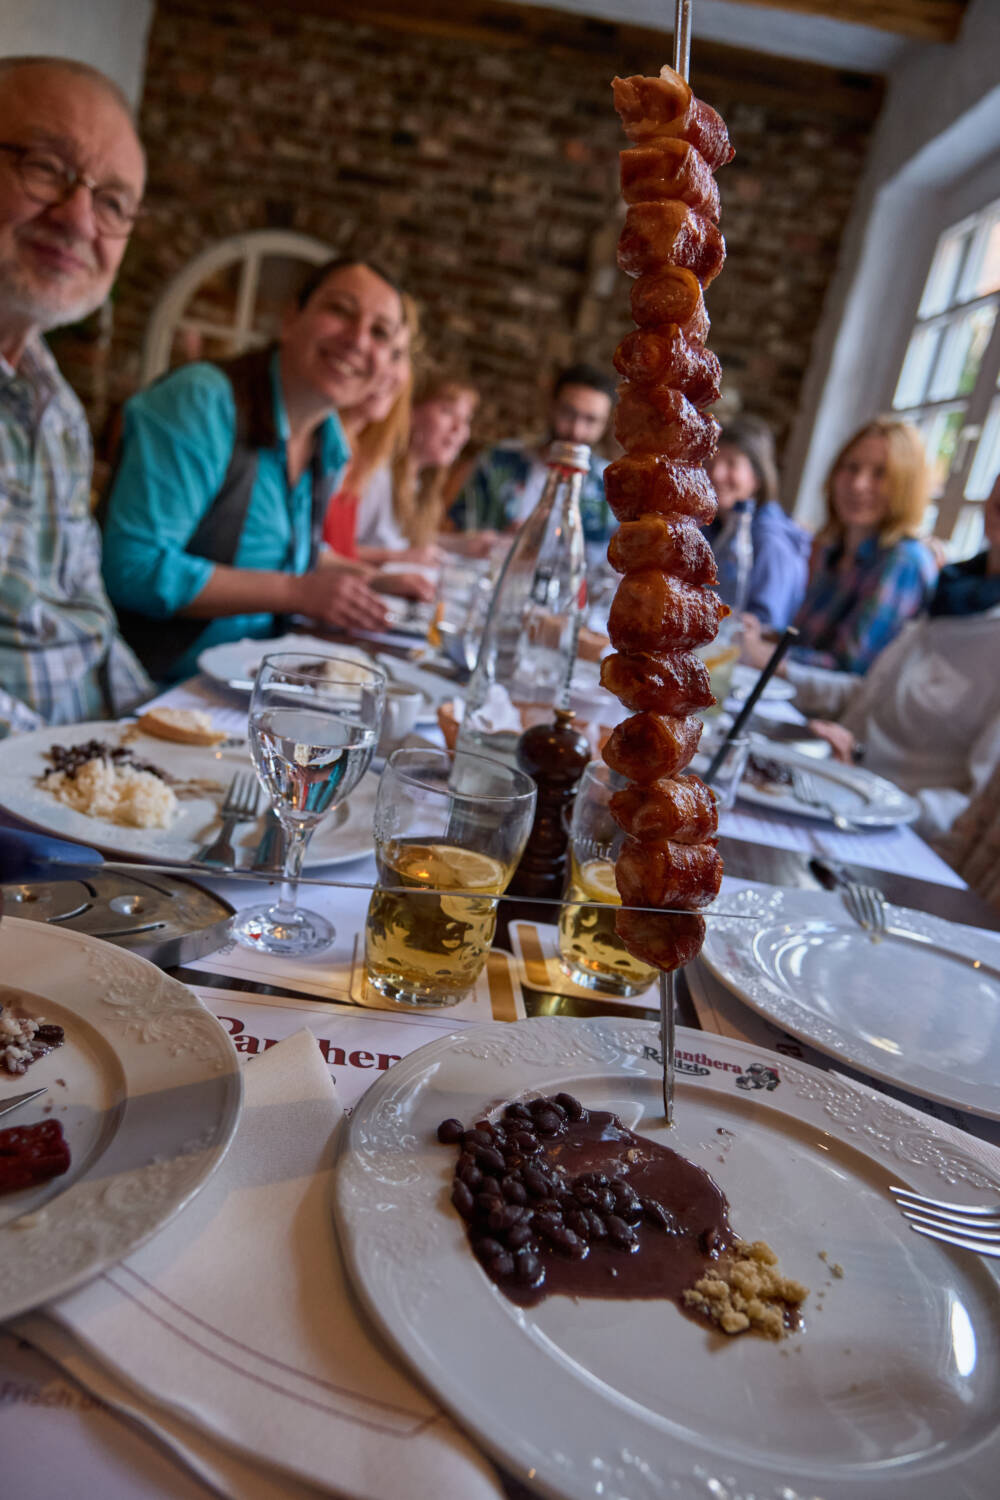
71,180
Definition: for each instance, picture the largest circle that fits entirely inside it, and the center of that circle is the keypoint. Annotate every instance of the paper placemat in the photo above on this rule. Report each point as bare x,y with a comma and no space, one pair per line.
899,850
536,965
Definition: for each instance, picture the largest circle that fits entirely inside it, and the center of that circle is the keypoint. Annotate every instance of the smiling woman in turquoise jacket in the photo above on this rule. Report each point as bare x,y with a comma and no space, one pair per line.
212,524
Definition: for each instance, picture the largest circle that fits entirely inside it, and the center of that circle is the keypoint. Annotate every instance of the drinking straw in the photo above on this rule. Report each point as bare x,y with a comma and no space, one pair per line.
770,667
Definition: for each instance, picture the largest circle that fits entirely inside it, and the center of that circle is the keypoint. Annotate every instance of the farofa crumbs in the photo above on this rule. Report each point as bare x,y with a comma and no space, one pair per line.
746,1290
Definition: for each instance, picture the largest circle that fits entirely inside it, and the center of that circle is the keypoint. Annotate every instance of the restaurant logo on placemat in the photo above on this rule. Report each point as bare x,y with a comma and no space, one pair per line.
759,1076
700,1064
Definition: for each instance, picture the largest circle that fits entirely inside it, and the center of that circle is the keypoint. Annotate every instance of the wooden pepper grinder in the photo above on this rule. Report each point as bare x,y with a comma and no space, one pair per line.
554,756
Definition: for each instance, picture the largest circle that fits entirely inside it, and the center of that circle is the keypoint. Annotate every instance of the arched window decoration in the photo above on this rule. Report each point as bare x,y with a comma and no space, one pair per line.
229,298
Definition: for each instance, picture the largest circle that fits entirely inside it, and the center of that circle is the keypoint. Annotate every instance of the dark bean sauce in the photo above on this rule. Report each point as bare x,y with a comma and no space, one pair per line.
557,1198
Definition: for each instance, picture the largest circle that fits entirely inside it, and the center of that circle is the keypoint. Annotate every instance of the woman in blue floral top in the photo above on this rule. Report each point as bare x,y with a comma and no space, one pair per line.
870,572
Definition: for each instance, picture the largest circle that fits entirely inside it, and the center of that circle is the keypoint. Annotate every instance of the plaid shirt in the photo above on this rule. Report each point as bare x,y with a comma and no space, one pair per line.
848,617
491,497
61,658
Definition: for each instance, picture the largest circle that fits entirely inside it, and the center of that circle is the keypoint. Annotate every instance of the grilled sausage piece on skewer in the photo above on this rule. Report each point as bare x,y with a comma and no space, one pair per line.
676,547
674,682
666,873
683,810
648,747
662,356
651,483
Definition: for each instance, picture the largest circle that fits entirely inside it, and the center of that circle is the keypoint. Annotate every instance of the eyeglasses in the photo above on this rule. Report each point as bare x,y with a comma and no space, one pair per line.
48,179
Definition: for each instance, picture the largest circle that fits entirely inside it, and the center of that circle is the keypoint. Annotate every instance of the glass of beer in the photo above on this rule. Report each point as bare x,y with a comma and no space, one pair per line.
590,951
449,831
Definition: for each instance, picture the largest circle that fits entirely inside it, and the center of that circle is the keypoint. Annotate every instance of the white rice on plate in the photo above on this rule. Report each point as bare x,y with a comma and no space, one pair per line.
118,794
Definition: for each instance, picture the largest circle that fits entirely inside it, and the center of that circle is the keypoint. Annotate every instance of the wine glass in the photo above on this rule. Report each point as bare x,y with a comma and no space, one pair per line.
314,723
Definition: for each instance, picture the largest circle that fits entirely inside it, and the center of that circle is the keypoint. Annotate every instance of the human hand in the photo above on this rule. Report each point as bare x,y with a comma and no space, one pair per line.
473,543
338,597
409,585
842,740
757,644
427,557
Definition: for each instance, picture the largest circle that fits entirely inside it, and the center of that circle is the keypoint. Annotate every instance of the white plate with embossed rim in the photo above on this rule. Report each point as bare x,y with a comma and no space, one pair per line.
918,1007
744,680
22,763
234,664
147,1087
852,792
889,1393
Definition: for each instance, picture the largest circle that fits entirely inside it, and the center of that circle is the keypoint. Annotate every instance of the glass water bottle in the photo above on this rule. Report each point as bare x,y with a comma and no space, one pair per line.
528,649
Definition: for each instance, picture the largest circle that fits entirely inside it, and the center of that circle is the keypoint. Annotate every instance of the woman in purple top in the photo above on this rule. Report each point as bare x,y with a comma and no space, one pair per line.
744,472
870,572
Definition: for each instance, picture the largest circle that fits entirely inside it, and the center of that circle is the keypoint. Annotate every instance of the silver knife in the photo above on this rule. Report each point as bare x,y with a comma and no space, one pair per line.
6,1105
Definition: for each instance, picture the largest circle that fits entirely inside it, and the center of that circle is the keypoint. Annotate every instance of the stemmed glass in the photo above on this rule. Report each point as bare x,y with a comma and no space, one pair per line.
314,723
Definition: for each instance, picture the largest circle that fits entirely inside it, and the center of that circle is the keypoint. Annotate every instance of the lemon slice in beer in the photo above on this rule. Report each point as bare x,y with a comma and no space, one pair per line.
446,867
597,878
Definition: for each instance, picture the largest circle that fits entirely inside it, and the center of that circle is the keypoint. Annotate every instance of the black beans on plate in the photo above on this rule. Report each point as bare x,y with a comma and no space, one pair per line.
521,1207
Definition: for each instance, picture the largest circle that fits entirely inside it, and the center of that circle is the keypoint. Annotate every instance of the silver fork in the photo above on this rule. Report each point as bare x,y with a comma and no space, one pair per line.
805,790
866,905
240,805
969,1226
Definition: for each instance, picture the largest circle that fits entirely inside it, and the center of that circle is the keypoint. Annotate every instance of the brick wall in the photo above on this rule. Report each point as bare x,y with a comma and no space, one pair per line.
483,166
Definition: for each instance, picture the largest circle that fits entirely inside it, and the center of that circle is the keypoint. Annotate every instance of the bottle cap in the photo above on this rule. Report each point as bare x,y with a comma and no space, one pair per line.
568,456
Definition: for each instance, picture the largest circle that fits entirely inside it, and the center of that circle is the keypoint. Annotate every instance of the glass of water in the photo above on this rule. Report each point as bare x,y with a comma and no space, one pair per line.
314,723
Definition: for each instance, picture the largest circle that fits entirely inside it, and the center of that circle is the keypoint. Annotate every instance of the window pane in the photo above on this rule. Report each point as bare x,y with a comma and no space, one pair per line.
981,274
920,357
214,300
196,342
986,463
278,285
940,434
939,293
960,354
967,538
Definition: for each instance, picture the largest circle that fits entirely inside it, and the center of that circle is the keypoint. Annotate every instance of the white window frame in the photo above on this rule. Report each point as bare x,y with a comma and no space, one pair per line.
965,486
250,250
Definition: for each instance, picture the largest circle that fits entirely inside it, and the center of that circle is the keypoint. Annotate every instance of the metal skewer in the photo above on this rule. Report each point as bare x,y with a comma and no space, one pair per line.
668,981
26,857
668,995
682,38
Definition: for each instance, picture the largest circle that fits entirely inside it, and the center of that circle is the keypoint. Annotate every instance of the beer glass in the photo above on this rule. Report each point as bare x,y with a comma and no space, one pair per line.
590,951
456,826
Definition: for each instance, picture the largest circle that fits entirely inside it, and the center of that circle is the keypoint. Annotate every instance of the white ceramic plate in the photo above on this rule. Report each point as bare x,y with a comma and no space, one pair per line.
889,1393
864,799
147,1087
234,663
919,1007
744,680
197,818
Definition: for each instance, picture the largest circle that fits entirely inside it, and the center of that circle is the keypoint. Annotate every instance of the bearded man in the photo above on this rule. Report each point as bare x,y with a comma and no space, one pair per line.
72,174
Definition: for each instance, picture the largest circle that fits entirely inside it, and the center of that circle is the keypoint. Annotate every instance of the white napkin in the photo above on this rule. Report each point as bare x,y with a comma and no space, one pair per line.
235,1325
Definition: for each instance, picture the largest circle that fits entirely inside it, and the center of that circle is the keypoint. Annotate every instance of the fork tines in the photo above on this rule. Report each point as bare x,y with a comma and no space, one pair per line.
968,1226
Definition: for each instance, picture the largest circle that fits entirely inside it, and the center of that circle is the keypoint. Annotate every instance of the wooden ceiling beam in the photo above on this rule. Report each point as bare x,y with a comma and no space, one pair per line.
918,20
756,77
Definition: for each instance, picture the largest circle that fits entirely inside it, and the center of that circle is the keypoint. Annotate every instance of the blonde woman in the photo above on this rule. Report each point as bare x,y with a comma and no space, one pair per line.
870,572
927,715
401,516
